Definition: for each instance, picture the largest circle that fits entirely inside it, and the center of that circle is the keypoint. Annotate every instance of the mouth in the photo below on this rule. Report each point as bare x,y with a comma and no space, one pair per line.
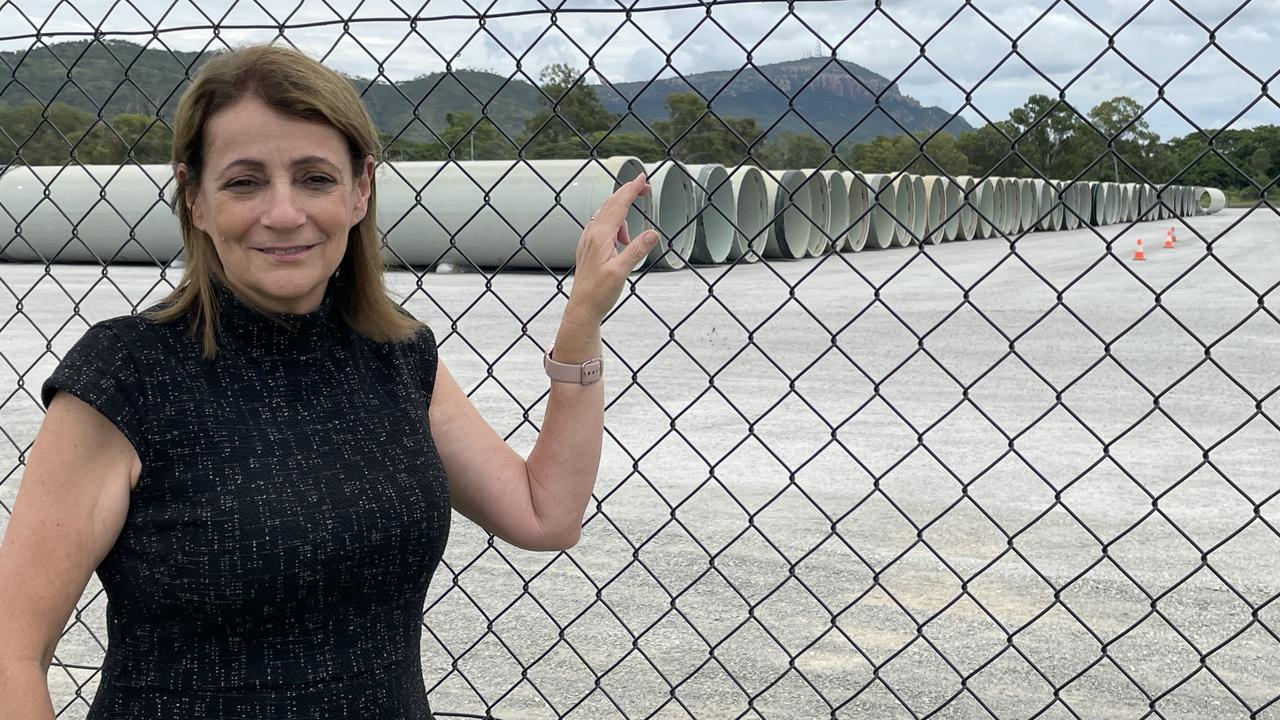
286,252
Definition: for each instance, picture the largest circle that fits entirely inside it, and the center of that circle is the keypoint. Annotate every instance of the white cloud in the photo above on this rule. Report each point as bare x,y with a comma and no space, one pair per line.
1060,44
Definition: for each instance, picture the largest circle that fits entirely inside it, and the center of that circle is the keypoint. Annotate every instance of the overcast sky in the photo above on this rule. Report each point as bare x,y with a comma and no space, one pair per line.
1212,91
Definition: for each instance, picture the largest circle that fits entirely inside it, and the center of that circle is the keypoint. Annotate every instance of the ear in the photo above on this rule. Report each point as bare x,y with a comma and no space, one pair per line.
363,188
190,194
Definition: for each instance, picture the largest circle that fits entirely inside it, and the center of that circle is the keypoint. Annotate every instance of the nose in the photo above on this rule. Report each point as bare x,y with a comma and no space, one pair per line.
283,210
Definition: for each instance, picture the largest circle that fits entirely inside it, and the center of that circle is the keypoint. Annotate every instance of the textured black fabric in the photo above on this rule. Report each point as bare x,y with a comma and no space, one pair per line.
291,510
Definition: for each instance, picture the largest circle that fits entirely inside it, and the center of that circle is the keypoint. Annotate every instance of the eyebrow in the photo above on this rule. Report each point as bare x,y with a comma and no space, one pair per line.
252,164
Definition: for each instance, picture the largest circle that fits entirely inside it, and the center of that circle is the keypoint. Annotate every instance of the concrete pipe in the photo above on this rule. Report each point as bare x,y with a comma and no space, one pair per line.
752,212
935,206
1200,195
1167,209
1099,213
485,239
999,222
886,208
790,223
1113,203
1086,204
94,213
1002,205
968,208
1065,205
920,212
1058,216
1012,205
673,207
954,200
1026,205
714,212
1097,202
838,204
985,192
1203,200
1188,200
820,212
1148,204
1111,212
1070,205
1217,201
1044,204
859,211
510,228
999,213
905,215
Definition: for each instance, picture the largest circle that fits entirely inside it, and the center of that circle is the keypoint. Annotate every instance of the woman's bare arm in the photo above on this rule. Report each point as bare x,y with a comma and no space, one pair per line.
69,511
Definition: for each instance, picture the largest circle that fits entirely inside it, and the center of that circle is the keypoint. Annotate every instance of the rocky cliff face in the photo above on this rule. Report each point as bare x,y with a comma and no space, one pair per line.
839,99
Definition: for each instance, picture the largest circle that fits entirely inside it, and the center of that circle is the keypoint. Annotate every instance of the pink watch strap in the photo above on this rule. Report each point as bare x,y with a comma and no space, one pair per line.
579,373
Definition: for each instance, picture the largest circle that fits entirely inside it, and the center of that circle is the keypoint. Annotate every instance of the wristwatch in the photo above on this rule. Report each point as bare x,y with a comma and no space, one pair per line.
580,373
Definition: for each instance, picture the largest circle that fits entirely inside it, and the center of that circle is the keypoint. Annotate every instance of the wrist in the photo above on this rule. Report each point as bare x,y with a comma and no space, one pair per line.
577,317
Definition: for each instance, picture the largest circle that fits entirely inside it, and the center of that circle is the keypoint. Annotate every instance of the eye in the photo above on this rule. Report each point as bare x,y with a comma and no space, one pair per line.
319,180
241,183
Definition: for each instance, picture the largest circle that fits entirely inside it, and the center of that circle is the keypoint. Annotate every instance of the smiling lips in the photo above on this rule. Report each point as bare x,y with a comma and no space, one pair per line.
287,251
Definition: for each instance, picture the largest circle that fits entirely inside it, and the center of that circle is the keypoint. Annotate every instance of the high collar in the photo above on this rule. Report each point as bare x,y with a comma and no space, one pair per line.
264,333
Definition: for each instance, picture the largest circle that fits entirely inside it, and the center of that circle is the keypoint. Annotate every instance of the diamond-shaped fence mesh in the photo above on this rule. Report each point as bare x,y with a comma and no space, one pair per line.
917,435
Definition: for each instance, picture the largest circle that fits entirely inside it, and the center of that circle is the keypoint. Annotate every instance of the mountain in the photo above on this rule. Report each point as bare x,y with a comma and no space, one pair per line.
92,75
841,94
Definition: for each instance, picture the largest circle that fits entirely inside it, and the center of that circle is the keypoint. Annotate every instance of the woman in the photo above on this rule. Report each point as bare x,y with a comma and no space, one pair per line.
261,468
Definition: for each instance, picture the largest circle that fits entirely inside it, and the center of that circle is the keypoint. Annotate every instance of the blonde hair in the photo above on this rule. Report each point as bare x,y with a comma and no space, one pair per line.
300,87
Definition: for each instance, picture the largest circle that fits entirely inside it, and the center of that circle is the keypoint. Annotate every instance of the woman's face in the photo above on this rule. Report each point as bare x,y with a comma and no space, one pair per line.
277,197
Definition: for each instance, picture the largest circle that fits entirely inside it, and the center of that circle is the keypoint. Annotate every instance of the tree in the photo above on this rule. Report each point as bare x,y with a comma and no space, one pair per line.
403,149
1121,128
793,151
987,150
1043,130
570,111
1260,164
885,154
51,135
942,156
142,138
469,139
695,135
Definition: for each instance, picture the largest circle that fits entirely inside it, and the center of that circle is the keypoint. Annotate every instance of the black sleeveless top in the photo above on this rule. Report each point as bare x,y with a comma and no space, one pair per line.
290,512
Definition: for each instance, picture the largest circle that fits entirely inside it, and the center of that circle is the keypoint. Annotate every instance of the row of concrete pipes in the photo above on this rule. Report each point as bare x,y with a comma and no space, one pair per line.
530,214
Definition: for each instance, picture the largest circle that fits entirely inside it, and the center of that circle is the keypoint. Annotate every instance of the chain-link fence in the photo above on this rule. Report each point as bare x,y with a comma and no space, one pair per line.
930,445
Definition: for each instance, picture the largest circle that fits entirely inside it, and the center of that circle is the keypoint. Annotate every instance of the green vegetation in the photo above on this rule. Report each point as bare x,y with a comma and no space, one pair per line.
1115,144
1043,136
51,136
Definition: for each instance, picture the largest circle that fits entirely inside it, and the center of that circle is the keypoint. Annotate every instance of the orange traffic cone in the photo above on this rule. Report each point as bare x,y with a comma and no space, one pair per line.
1169,240
1138,255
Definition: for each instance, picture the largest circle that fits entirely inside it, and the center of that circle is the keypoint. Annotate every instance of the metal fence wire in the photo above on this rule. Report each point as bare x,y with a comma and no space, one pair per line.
1017,474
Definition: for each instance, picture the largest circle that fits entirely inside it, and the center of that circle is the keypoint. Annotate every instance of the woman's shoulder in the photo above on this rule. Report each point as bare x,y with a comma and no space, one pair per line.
141,325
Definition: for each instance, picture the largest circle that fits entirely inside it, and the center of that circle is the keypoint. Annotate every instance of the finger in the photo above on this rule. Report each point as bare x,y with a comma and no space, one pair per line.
615,207
637,250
